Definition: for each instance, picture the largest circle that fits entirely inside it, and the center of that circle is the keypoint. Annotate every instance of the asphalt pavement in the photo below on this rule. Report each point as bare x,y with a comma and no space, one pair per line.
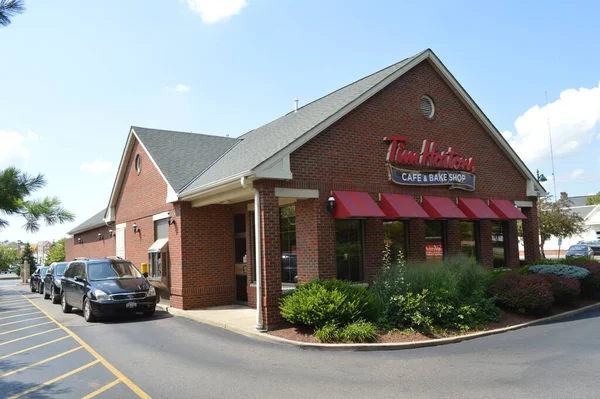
172,357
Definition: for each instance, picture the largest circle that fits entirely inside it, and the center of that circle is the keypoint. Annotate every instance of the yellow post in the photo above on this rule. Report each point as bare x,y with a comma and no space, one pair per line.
144,267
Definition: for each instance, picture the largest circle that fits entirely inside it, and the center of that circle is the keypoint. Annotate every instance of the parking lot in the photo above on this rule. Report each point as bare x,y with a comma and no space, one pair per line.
42,358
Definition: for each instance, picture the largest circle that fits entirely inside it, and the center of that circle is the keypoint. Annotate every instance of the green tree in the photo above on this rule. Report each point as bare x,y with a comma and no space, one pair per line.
8,9
556,219
15,187
56,253
8,256
27,255
593,200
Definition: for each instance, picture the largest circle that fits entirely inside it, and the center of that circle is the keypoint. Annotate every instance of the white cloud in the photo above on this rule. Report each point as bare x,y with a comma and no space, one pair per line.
507,135
573,121
212,11
183,88
98,166
14,150
577,173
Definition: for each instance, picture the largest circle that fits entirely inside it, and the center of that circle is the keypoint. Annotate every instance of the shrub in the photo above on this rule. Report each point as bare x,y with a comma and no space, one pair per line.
323,302
359,331
564,289
410,310
590,286
530,293
561,270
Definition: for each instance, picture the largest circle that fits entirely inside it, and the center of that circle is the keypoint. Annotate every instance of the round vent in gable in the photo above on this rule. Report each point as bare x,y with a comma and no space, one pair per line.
427,107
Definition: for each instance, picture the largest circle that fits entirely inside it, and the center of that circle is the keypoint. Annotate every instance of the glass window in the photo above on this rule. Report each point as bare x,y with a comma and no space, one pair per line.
395,236
161,229
469,233
435,239
60,269
239,232
112,271
348,249
287,234
499,244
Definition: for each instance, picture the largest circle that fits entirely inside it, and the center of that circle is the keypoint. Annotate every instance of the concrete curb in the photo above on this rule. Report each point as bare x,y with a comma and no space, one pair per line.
377,346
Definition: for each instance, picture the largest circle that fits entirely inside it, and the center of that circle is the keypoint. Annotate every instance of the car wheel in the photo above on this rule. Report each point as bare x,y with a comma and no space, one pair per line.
31,287
53,297
149,313
66,308
46,295
87,311
39,288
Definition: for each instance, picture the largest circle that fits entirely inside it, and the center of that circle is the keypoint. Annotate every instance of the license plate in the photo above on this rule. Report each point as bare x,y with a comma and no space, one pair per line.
130,305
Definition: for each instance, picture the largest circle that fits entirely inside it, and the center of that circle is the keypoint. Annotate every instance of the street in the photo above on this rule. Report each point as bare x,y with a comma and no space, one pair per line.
173,357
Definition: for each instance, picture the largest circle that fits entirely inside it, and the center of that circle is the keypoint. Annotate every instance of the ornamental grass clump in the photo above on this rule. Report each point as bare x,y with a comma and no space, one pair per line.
575,272
524,293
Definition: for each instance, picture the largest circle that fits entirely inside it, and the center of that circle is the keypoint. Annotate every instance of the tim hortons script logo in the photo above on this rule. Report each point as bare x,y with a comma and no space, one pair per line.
428,157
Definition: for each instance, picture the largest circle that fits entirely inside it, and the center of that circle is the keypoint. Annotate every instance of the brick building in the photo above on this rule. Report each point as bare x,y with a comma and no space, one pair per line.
401,157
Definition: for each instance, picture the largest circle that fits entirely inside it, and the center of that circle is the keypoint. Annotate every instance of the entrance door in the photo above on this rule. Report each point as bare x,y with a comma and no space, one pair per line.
120,240
239,244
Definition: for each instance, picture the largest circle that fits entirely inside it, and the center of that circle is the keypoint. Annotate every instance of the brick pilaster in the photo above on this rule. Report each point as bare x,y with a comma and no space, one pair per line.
531,233
416,240
513,245
486,250
453,237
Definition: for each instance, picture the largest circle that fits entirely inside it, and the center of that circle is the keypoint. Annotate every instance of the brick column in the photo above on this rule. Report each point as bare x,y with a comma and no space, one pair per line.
374,246
271,255
175,256
531,233
416,240
486,251
453,237
513,245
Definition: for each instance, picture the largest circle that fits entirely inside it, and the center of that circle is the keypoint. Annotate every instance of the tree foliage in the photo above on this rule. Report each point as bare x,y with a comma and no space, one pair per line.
56,253
27,255
9,256
557,219
10,8
15,187
593,200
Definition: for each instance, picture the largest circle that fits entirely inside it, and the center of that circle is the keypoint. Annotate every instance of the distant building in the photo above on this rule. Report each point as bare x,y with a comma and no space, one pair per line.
41,251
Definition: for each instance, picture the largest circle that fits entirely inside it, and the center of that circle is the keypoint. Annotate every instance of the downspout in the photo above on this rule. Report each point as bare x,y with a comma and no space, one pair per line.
257,251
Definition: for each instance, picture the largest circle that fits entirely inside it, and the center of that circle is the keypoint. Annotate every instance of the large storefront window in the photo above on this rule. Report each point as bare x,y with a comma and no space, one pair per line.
469,231
435,240
395,236
499,244
348,249
287,234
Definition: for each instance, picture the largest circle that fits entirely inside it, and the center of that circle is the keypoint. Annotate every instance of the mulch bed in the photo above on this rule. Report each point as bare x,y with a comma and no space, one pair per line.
304,333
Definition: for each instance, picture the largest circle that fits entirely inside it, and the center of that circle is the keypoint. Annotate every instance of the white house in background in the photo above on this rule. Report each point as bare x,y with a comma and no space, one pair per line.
591,218
41,252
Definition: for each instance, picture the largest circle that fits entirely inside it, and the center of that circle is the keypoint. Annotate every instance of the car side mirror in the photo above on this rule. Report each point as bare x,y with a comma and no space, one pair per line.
79,279
145,274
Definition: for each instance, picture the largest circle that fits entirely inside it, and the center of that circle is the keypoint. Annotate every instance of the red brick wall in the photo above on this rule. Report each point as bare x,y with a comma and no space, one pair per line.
91,246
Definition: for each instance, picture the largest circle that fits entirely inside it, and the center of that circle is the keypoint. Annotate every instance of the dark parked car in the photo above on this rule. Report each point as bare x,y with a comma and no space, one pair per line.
594,244
106,287
52,281
580,251
36,281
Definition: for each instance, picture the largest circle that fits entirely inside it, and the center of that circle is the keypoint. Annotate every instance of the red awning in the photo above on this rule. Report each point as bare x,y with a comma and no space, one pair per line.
352,204
441,208
476,208
506,209
397,206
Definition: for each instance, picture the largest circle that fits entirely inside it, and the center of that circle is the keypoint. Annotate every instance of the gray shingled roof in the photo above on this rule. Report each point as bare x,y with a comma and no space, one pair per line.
95,221
260,144
579,200
583,211
182,156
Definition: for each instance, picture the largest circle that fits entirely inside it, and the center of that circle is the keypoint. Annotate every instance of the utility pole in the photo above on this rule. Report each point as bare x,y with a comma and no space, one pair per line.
551,150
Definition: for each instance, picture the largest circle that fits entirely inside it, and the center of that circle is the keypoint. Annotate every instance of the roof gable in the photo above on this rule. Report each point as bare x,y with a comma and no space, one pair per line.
95,221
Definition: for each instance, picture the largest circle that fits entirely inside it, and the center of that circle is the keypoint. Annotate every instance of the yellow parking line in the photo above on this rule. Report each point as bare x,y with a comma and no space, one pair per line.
21,321
24,328
52,381
102,389
34,347
19,309
138,391
40,362
29,336
18,315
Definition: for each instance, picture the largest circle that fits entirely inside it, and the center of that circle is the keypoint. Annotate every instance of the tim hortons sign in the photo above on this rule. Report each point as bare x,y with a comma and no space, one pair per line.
452,168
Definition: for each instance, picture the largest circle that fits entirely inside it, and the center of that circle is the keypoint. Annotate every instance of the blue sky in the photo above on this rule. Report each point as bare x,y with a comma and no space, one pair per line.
76,75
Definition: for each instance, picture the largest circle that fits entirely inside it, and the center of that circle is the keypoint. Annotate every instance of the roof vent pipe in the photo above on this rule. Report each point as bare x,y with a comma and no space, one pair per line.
295,104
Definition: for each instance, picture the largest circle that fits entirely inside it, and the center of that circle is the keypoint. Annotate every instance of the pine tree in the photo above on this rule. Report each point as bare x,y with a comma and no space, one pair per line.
28,256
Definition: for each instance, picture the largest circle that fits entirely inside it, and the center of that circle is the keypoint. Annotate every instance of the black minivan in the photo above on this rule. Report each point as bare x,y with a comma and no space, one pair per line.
106,287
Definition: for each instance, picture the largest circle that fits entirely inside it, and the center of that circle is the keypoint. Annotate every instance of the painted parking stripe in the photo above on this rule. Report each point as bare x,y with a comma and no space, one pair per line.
25,328
18,315
40,362
102,389
19,309
21,321
52,381
137,390
12,301
34,347
29,336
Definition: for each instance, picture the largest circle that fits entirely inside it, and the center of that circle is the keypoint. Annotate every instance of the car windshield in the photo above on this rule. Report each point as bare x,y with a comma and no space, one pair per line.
60,269
578,248
43,271
112,271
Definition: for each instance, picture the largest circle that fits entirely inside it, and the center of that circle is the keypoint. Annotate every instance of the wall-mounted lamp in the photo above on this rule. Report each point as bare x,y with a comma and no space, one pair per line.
135,228
330,204
79,240
100,237
169,219
110,233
